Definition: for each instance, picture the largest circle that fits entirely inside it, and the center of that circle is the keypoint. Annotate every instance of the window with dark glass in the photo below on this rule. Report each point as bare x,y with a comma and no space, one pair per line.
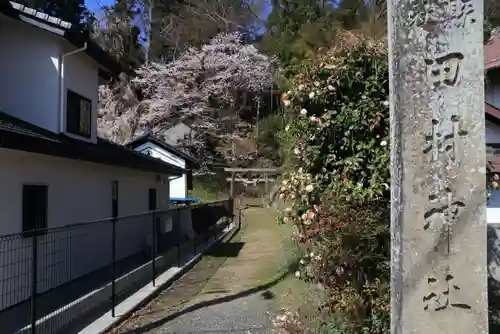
35,203
189,180
78,114
152,199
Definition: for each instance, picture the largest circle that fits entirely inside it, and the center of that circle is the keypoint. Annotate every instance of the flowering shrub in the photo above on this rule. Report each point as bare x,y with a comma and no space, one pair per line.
340,127
340,120
492,180
339,193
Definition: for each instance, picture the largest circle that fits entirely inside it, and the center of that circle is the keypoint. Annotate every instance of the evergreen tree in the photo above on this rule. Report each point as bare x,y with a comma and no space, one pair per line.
491,17
119,34
296,26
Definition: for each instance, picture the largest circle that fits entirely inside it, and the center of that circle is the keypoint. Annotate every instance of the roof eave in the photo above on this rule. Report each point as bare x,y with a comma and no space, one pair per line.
191,162
61,28
175,170
22,142
20,135
95,52
491,65
492,113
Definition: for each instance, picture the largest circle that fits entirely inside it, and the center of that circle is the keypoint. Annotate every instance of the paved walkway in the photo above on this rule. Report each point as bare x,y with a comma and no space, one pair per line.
241,315
221,294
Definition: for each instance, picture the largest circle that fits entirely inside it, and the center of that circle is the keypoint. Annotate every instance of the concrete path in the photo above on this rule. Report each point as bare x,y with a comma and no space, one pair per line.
241,315
223,293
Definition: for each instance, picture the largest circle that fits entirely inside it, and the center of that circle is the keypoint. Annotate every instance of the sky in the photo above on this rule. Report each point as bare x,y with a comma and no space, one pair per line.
95,6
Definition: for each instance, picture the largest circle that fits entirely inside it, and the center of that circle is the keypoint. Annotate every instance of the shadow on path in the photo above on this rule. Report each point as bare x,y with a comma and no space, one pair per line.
226,250
261,288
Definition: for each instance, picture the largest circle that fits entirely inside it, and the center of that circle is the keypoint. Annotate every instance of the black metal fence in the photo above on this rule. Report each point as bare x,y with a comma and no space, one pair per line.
55,279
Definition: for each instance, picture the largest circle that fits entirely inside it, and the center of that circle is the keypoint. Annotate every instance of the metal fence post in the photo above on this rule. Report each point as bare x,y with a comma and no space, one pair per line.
231,207
153,248
34,279
232,191
178,222
179,255
239,218
113,265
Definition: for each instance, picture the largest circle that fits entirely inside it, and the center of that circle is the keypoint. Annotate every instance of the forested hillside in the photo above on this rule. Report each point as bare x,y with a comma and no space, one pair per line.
218,66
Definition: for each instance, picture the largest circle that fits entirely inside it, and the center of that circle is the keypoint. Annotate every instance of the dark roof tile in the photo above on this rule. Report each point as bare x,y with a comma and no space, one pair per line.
492,53
20,135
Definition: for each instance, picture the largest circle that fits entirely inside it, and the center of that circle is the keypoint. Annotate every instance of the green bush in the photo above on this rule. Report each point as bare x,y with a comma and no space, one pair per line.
210,187
269,140
338,130
339,192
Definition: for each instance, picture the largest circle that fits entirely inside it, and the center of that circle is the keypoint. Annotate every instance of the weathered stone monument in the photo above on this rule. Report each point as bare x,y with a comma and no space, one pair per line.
438,199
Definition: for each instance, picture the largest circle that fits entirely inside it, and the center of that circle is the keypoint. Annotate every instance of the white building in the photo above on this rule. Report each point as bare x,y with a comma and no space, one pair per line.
154,147
492,109
54,169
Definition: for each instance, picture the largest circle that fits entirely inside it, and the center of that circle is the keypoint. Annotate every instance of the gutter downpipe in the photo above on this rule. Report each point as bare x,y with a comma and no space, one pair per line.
61,83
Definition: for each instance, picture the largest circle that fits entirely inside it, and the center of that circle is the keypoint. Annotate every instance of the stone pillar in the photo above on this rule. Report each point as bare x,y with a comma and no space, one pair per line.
438,199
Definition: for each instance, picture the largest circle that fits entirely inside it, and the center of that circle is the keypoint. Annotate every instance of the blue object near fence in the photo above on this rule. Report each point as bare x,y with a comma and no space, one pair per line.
184,199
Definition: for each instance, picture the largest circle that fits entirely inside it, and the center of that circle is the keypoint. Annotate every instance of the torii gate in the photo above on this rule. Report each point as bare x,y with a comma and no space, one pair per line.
252,176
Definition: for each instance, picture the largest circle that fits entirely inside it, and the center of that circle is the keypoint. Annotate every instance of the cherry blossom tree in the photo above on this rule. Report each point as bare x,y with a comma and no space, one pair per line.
205,87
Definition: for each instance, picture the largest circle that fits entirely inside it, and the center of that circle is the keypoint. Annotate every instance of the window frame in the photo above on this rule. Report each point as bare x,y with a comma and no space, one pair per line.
70,94
152,206
38,230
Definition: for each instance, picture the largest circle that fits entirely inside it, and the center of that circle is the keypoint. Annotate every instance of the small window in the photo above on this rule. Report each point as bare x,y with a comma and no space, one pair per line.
35,201
114,199
152,199
189,180
78,114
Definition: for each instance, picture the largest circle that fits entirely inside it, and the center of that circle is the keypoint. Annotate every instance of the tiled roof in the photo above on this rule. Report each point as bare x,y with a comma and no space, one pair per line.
492,53
20,135
492,111
493,153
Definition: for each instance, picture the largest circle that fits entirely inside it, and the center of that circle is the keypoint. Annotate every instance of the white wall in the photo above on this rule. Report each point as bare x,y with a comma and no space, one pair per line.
178,185
28,73
493,215
492,133
81,76
77,192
